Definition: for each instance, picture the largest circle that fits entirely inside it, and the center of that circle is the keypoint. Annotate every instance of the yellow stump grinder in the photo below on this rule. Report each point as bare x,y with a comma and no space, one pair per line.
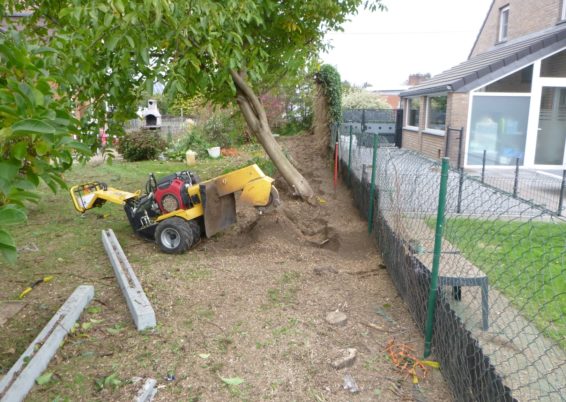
177,209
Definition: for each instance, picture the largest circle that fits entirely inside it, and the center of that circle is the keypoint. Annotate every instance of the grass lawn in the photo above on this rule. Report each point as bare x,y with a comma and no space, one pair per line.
526,261
56,236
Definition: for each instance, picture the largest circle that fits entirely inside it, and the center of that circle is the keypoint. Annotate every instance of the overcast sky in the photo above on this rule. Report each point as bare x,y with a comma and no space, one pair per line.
413,36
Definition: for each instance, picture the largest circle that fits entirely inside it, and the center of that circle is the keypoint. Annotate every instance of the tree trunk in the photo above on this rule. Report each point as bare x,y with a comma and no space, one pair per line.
256,119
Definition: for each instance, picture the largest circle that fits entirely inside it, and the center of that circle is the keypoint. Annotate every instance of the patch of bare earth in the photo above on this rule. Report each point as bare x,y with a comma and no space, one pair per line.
250,304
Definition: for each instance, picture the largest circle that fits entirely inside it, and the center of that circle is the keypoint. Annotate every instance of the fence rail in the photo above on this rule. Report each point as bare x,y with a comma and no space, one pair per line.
499,326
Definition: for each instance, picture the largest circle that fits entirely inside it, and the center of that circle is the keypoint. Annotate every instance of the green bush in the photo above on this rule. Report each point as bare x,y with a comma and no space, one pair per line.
193,140
141,145
294,127
223,129
330,80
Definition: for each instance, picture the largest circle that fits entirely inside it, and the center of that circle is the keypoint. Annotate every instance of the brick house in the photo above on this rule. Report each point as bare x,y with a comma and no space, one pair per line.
509,96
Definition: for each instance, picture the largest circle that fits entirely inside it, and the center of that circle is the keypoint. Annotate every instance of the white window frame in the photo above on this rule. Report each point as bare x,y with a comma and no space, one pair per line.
502,34
563,11
408,114
434,131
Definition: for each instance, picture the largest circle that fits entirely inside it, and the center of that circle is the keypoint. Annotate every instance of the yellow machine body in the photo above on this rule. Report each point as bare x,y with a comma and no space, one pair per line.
94,194
212,200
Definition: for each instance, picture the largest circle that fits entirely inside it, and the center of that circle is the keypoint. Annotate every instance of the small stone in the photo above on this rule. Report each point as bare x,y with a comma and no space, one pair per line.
336,318
347,359
350,384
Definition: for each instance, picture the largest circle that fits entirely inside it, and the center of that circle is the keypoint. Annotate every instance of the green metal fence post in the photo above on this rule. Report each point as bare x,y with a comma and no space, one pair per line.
372,185
350,159
436,256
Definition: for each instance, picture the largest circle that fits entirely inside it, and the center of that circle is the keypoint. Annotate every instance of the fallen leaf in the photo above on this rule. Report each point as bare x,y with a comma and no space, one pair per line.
233,380
44,378
204,355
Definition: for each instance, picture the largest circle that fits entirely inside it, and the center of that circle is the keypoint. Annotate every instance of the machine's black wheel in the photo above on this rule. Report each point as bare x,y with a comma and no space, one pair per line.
174,235
195,228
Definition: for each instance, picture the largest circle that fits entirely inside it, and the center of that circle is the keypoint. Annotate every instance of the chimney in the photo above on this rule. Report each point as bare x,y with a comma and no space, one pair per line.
416,79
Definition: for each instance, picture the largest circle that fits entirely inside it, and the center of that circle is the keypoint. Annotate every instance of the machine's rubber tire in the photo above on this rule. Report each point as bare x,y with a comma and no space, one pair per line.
174,235
195,228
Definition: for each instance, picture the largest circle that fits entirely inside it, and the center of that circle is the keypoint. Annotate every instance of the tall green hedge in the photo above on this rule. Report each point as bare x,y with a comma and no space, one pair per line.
330,80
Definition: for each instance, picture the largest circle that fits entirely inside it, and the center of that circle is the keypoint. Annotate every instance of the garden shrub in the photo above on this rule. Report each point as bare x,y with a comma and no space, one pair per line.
193,140
224,129
221,129
141,145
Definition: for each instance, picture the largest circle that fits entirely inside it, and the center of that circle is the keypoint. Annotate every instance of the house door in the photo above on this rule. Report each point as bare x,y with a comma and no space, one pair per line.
551,138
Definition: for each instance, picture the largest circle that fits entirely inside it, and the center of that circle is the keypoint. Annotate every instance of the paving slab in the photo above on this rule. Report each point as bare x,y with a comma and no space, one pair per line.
15,385
138,303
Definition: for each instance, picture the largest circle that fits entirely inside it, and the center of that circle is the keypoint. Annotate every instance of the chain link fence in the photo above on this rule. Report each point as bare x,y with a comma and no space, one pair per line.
499,322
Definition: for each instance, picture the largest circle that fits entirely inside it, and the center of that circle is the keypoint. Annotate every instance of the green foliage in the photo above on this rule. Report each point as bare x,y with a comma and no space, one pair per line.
232,380
99,54
112,381
141,145
36,132
294,127
329,78
193,140
116,50
223,128
43,379
296,95
187,106
265,164
358,98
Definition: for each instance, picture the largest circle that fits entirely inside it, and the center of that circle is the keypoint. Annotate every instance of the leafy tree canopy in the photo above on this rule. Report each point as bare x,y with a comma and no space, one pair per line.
104,54
359,98
112,50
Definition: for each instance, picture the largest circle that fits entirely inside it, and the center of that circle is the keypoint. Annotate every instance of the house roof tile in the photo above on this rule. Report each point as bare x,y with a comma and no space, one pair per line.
501,60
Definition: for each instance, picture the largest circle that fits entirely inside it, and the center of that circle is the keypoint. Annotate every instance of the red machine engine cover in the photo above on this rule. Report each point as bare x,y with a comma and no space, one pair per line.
172,195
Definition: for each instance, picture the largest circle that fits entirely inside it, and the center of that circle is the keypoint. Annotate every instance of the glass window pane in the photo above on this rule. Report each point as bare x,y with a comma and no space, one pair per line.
436,113
551,138
503,23
414,108
498,125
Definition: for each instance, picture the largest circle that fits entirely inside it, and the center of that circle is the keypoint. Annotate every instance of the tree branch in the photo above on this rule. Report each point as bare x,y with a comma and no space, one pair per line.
247,92
248,113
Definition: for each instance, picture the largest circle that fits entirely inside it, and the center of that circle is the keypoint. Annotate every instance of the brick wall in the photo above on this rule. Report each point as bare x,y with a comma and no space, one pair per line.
434,146
525,16
457,118
412,140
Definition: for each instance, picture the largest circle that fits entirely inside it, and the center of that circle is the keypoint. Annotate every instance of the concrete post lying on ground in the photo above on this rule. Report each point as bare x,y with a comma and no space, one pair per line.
148,391
140,308
15,385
